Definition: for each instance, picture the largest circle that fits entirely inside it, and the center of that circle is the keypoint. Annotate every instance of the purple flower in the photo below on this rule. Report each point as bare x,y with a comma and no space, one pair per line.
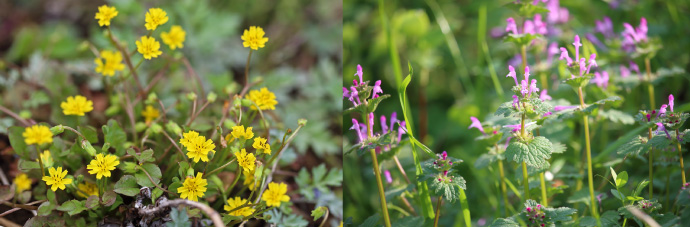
511,27
539,25
605,27
552,50
533,87
544,96
384,126
528,27
394,119
516,101
662,111
592,61
517,127
355,126
359,73
371,125
547,114
401,130
561,108
662,128
354,96
556,14
377,89
476,124
625,72
346,93
635,68
583,66
592,38
524,88
527,73
389,179
512,74
670,102
564,55
577,45
601,79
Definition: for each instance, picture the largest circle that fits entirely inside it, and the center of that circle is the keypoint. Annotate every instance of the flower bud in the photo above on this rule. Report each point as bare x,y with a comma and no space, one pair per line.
191,96
57,129
86,145
211,97
173,128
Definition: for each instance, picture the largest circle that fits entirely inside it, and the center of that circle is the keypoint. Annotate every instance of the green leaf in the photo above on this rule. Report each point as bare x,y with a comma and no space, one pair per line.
636,146
521,39
528,10
622,179
409,221
504,222
290,220
143,179
91,202
596,104
115,136
127,185
17,141
72,207
178,218
620,196
369,107
610,219
89,132
318,212
660,141
322,179
506,110
535,153
45,208
588,221
109,198
640,186
371,221
579,81
558,148
617,116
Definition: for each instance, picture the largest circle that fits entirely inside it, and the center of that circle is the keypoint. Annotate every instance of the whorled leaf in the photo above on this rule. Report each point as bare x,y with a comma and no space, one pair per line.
534,153
636,146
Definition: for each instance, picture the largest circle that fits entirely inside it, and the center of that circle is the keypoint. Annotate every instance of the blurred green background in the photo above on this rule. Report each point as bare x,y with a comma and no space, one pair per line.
45,57
454,54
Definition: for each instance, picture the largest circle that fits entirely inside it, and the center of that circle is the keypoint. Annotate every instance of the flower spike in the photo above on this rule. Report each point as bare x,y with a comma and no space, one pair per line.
359,73
511,27
670,101
476,124
577,45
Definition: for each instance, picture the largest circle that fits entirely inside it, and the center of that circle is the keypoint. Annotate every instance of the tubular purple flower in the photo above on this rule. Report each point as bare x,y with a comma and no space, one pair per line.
511,27
547,114
512,74
389,179
670,102
605,27
444,155
355,126
662,111
354,96
662,128
601,79
583,66
642,29
359,73
544,96
394,119
592,61
551,51
401,131
523,88
539,25
528,27
515,128
625,72
476,124
384,126
377,89
635,68
527,73
577,45
371,125
564,55
561,108
556,14
533,87
346,93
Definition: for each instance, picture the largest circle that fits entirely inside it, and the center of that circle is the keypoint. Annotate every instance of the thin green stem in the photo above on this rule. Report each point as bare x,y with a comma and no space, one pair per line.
503,187
220,168
238,174
525,180
382,195
588,149
650,87
523,52
438,210
651,167
680,155
40,162
465,208
246,74
544,198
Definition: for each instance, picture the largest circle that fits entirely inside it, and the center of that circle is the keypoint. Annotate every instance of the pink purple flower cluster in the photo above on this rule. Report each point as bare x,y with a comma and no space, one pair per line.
536,216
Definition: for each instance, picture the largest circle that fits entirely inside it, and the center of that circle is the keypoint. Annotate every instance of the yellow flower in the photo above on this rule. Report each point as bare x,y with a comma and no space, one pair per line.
22,182
150,113
263,98
37,134
238,132
249,180
155,17
275,194
105,14
193,188
102,165
254,38
76,105
57,179
199,148
175,38
246,160
236,202
261,144
88,188
149,47
46,158
113,63
188,137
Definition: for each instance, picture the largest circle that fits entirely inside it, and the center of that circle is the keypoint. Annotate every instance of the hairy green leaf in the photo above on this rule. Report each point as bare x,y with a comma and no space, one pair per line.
534,153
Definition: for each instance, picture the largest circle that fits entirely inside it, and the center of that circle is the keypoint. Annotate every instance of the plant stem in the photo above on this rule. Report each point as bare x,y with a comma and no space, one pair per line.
544,198
523,51
438,210
382,195
503,187
651,167
680,155
325,218
246,74
649,84
525,180
238,175
40,162
465,208
590,179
